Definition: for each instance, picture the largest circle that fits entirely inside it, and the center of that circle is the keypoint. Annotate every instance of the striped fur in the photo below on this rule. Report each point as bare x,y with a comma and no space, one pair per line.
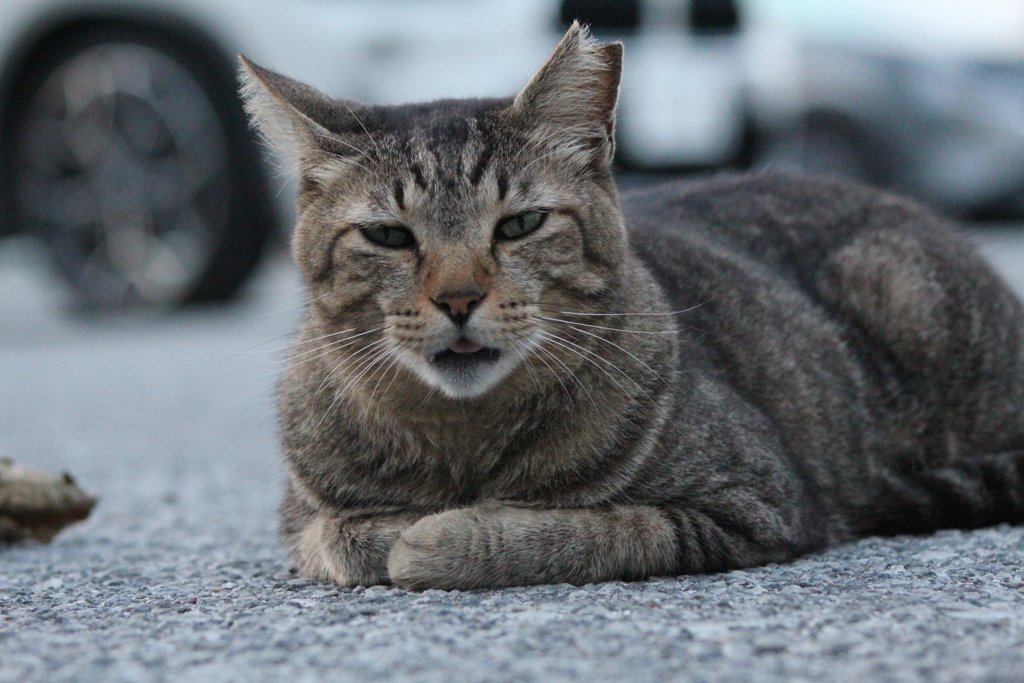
761,366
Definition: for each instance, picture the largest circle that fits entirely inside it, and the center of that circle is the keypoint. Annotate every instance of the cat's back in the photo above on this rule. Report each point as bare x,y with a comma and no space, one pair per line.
780,223
850,314
784,231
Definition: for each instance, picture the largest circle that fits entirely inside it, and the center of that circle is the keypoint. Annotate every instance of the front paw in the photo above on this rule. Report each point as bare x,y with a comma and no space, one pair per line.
493,545
447,551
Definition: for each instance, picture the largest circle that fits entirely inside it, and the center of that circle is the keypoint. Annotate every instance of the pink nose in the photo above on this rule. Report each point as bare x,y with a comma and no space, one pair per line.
459,305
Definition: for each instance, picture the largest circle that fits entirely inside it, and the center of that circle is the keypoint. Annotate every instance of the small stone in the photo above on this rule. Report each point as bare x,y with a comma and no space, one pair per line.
37,504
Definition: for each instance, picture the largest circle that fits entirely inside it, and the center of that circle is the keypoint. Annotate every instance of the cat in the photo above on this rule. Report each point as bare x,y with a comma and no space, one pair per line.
497,383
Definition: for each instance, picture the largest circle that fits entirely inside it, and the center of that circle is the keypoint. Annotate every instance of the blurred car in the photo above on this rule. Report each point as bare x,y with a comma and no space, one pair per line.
124,147
926,99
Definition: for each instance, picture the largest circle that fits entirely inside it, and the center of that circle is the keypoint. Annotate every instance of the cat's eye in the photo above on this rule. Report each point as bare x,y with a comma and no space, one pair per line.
393,236
518,226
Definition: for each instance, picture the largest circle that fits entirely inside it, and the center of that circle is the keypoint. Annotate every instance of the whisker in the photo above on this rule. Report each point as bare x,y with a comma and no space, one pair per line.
307,351
613,329
346,388
328,336
536,144
394,360
519,347
606,341
362,153
554,372
290,308
669,313
572,374
388,387
359,355
431,390
381,355
331,348
252,349
333,334
372,141
554,151
561,341
301,343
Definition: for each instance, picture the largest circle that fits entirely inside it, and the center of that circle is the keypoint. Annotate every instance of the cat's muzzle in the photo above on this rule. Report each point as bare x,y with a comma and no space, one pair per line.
463,353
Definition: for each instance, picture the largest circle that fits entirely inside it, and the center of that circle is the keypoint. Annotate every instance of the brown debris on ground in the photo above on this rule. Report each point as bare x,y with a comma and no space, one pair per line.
38,505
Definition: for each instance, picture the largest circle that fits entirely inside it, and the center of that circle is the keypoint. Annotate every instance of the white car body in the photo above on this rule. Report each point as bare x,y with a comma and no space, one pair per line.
684,97
691,95
929,94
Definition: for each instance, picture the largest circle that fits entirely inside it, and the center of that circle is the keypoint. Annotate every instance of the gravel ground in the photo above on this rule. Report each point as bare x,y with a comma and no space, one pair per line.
178,576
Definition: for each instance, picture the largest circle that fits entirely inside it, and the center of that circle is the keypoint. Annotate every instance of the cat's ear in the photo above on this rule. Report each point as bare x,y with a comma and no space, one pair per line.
573,94
300,122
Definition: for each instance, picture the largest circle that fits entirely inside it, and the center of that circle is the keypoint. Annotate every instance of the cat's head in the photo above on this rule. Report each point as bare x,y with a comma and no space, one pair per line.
452,228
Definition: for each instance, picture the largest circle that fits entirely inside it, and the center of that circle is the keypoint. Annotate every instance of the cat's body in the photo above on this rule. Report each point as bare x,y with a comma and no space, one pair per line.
494,385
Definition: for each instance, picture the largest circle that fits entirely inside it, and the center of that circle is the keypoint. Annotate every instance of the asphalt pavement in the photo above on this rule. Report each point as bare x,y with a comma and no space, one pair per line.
178,576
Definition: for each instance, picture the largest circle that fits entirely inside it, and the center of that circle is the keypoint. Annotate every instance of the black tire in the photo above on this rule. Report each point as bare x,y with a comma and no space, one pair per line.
131,157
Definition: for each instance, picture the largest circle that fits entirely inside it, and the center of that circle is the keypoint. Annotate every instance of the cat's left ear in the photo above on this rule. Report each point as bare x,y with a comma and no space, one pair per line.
318,132
571,99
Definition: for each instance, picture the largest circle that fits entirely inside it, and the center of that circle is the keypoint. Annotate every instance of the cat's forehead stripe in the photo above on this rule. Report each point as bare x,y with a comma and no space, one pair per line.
502,186
481,165
417,174
400,194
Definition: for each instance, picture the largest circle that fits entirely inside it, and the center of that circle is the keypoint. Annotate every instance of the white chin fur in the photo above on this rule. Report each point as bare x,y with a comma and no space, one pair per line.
463,384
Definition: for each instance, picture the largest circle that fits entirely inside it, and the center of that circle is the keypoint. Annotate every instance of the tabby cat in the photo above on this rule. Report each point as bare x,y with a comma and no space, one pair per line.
505,377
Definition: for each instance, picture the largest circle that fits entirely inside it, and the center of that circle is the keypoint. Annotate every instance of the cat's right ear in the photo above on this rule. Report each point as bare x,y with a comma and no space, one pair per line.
571,99
299,122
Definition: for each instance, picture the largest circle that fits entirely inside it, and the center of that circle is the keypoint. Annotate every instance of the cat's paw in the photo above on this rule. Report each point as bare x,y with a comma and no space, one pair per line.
349,550
493,545
445,551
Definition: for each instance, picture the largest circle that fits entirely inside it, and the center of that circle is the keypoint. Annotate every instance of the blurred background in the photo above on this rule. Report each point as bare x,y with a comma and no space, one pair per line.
129,179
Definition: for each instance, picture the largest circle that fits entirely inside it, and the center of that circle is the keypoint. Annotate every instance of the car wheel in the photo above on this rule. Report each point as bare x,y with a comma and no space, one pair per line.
130,158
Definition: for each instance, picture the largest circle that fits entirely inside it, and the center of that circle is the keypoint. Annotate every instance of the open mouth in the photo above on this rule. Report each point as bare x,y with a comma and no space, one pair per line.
463,351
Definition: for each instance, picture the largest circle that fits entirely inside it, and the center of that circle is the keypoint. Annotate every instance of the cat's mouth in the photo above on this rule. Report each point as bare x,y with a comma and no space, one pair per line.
463,351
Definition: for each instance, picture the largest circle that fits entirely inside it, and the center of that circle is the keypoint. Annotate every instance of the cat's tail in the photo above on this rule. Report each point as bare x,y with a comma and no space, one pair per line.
965,494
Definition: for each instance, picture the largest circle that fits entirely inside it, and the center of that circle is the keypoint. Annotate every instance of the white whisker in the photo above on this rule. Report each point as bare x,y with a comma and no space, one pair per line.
521,350
290,308
552,309
252,349
576,348
383,374
352,381
393,378
606,341
554,372
330,346
372,141
360,355
613,329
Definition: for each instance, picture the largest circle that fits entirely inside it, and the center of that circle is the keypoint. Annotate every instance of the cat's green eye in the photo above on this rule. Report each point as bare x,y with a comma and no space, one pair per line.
517,226
392,236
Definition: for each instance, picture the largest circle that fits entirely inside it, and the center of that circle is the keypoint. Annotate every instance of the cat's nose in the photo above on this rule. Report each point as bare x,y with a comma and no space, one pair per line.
459,305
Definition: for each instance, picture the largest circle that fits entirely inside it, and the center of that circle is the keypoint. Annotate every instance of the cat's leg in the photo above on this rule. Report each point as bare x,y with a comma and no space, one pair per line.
494,545
966,494
348,547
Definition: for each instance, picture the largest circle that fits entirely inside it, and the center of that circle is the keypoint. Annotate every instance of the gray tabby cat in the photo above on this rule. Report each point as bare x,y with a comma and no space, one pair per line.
496,383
